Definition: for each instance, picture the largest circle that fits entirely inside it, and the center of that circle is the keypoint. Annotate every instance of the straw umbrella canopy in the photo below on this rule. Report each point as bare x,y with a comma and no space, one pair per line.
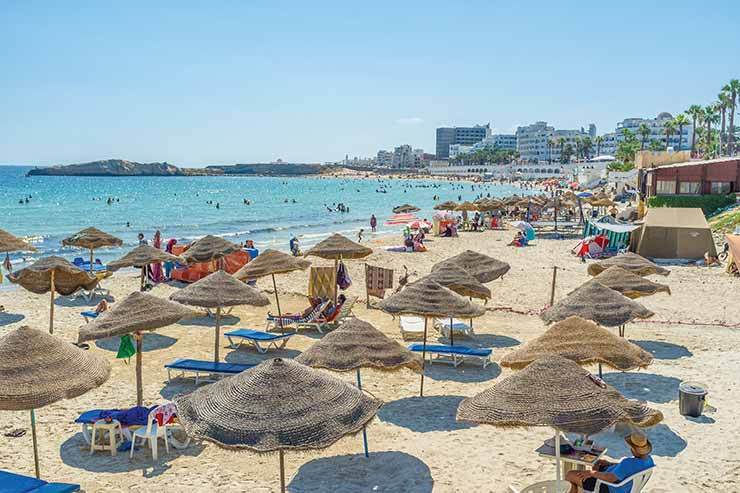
629,284
456,278
484,268
276,406
141,257
208,249
219,290
92,238
512,201
594,301
11,243
269,263
405,208
554,391
602,203
355,345
427,298
466,206
637,264
585,343
136,313
338,247
53,275
38,369
446,206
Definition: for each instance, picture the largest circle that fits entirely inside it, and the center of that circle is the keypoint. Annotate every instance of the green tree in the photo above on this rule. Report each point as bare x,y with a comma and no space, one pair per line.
550,148
669,128
733,87
656,145
680,121
695,112
627,147
561,145
723,100
567,153
587,145
710,117
644,132
598,141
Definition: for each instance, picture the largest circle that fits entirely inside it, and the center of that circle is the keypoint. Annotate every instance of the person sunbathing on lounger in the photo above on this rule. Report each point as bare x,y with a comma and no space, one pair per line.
614,472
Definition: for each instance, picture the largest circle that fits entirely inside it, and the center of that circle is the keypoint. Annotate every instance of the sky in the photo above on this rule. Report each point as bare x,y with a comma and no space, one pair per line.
197,83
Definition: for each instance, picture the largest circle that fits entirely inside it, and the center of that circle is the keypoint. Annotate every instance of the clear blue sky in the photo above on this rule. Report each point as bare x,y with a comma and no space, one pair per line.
241,81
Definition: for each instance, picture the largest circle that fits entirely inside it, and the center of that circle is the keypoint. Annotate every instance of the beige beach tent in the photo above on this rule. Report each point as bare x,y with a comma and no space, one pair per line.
673,233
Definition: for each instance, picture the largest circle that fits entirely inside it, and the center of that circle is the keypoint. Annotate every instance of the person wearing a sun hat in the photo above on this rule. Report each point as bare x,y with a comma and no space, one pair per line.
615,472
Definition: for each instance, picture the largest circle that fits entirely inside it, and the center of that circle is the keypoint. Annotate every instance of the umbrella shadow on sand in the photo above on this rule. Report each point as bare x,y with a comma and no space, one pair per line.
666,443
644,386
494,341
382,472
75,452
248,356
465,373
664,350
424,414
206,321
151,342
77,300
10,318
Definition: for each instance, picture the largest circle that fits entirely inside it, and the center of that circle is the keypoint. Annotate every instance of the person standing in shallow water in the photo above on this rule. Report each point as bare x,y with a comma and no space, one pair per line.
373,222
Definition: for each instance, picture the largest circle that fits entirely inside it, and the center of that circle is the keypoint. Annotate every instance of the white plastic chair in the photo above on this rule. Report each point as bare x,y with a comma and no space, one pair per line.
411,327
639,480
549,486
151,432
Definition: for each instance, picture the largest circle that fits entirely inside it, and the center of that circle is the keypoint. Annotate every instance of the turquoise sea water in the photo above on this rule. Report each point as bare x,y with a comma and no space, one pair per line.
60,206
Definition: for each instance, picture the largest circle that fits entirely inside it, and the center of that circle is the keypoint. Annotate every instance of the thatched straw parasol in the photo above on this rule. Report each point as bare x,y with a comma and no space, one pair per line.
278,405
357,344
426,298
38,369
92,238
141,257
338,247
466,206
512,201
137,313
585,343
53,274
456,278
601,203
208,249
594,301
219,290
10,243
629,284
446,206
554,391
482,267
637,264
269,263
405,208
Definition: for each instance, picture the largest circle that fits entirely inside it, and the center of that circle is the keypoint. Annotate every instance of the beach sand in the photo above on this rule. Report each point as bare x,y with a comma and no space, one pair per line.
416,445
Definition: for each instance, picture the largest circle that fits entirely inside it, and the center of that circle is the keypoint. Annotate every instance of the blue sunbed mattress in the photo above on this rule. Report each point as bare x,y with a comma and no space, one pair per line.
200,365
17,483
446,349
256,335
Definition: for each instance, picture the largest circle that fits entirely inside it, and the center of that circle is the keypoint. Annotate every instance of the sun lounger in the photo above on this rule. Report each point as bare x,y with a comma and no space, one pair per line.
332,321
458,326
262,341
199,367
454,355
411,327
273,322
16,483
89,315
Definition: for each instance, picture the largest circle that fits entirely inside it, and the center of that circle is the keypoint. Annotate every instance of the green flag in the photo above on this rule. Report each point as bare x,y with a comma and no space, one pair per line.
126,349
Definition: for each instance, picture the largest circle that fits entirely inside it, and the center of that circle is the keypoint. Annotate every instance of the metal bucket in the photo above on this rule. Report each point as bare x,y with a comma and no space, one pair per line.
691,397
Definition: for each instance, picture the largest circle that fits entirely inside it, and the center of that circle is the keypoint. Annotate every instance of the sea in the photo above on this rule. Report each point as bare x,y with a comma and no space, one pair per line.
187,208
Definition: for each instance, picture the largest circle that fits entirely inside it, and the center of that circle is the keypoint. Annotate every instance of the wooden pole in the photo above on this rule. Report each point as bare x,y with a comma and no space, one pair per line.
143,270
552,288
51,306
364,429
277,302
452,336
139,385
367,294
35,445
218,330
282,472
336,266
423,358
92,257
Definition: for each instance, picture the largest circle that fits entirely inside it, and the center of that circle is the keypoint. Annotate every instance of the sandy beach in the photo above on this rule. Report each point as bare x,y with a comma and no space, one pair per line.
416,445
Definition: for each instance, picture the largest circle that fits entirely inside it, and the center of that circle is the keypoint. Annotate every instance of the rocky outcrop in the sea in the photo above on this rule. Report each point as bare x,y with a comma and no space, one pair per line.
119,167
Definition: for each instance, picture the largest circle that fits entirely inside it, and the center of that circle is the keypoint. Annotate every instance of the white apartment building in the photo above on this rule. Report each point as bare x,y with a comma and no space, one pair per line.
521,171
657,131
532,142
497,141
403,157
608,146
384,158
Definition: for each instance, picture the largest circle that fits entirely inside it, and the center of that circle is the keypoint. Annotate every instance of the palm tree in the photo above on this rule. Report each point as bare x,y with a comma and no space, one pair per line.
709,118
644,132
680,121
561,144
723,104
696,112
599,140
587,146
669,128
733,87
550,147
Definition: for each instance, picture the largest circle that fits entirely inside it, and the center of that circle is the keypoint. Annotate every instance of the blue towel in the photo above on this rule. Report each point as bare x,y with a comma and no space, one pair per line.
257,335
445,349
17,483
127,417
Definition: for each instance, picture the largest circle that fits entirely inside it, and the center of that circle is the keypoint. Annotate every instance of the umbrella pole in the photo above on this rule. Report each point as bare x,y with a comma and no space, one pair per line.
218,330
452,336
277,302
552,288
557,460
423,358
92,257
141,284
600,371
336,266
35,445
51,305
282,472
139,386
364,429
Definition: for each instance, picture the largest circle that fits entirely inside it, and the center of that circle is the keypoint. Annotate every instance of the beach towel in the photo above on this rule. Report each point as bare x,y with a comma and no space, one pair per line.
343,279
321,282
377,280
126,349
